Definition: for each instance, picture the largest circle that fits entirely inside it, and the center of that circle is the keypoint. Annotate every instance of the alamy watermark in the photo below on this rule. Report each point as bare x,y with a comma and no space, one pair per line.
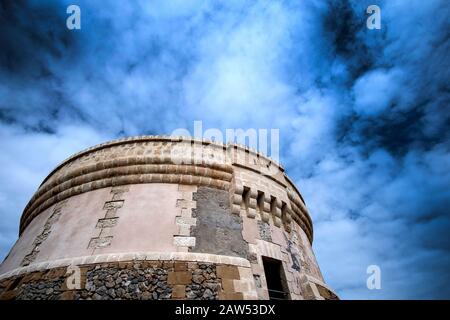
73,281
374,280
262,140
374,20
73,21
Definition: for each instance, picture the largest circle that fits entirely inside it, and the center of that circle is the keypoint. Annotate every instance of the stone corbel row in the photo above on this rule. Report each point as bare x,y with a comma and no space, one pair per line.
247,199
287,219
264,210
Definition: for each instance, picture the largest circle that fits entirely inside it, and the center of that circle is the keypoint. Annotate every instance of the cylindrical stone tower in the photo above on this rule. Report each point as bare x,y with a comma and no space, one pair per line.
164,218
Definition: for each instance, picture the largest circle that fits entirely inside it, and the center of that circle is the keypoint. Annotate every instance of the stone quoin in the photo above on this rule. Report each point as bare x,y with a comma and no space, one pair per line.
164,217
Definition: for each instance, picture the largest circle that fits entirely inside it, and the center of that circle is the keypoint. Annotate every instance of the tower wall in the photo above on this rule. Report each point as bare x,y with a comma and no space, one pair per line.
163,218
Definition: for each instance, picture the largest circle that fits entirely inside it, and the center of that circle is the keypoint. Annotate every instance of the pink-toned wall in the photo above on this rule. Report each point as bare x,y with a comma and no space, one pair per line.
71,234
146,220
146,223
24,244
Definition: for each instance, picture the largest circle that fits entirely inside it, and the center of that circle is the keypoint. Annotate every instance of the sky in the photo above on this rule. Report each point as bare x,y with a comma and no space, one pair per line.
363,114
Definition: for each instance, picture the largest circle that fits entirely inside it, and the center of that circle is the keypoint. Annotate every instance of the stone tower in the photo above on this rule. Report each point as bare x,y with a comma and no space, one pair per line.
164,218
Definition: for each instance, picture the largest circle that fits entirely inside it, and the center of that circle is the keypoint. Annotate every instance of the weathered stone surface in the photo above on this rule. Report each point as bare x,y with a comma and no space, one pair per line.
264,231
325,293
180,266
227,285
228,272
231,295
67,295
107,223
179,292
113,204
208,295
181,241
158,209
197,278
180,277
54,217
100,242
146,280
218,231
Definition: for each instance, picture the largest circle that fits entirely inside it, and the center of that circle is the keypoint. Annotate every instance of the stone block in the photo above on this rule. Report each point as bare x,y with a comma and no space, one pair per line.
187,188
264,231
186,212
107,223
36,276
100,242
113,205
186,195
252,203
184,230
265,217
236,209
192,265
168,264
250,296
245,273
227,272
186,221
67,295
186,204
179,291
243,285
251,213
57,273
223,295
228,285
277,212
180,266
277,222
181,241
250,230
111,213
179,277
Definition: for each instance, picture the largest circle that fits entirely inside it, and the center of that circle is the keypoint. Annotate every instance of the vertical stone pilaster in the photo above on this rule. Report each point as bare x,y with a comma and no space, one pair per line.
54,217
186,218
110,219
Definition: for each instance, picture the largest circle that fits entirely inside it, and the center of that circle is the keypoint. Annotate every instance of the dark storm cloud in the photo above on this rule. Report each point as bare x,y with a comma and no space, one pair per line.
344,27
363,114
32,42
27,43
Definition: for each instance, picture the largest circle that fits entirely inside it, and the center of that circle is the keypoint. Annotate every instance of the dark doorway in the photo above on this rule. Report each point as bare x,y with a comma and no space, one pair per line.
275,278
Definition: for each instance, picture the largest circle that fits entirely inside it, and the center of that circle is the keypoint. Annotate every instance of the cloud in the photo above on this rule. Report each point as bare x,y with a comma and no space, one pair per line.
383,211
26,160
362,113
375,92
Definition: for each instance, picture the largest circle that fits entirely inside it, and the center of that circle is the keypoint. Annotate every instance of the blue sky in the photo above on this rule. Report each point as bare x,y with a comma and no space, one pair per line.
363,114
